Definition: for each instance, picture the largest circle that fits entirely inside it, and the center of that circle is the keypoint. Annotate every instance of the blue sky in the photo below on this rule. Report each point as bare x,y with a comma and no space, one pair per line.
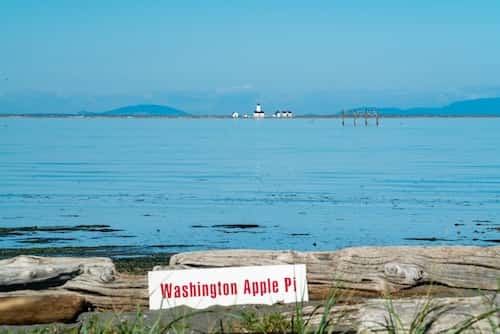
209,56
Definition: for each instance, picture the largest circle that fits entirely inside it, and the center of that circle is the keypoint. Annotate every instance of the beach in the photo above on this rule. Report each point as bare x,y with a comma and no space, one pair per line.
363,281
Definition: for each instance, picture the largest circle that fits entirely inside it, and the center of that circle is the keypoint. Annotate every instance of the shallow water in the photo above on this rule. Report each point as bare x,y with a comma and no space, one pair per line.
309,184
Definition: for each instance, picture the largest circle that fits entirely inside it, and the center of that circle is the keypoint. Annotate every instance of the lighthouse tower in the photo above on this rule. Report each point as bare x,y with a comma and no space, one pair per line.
258,113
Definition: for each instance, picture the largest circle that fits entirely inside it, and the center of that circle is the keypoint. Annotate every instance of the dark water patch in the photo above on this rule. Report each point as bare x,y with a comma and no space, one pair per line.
115,252
457,224
433,239
99,229
481,221
34,196
491,240
39,240
85,251
199,226
147,215
236,226
495,229
141,264
7,233
69,216
22,230
299,234
239,231
13,217
302,213
175,246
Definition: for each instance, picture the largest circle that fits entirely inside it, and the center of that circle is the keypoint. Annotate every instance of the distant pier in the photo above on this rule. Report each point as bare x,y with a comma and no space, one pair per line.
365,113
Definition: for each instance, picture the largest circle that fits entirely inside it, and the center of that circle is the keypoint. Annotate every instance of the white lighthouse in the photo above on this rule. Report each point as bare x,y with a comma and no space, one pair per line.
258,113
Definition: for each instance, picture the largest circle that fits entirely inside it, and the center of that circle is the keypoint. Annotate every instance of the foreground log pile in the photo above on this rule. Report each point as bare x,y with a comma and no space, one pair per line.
94,279
44,290
373,271
371,315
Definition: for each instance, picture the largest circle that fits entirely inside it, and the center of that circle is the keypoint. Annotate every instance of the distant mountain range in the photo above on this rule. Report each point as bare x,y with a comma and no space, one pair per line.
477,107
139,110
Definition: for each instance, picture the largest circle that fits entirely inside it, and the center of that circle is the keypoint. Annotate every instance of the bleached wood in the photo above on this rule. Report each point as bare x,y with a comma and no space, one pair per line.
358,272
95,279
25,270
372,315
372,271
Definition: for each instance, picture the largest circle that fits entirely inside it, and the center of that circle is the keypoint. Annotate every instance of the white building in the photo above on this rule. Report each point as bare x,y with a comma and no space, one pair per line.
258,113
283,114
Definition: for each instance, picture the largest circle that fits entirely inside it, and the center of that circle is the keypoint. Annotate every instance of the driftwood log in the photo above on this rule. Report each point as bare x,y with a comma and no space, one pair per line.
367,317
374,315
358,272
95,279
41,308
373,271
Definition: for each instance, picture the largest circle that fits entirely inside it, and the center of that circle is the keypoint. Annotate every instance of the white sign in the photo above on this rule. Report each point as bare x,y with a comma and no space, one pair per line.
201,288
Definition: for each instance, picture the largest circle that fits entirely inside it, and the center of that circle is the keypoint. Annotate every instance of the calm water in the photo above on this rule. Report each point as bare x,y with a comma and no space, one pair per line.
308,184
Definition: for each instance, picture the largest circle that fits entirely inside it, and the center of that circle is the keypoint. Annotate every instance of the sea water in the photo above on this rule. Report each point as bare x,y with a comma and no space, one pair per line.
163,184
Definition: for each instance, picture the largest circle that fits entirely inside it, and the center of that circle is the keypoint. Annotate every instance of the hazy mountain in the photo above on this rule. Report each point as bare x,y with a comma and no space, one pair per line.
477,107
141,110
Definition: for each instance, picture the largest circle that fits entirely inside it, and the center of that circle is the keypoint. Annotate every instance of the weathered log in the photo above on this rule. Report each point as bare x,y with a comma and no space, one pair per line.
374,315
371,316
26,272
95,279
373,271
359,272
125,292
40,308
368,317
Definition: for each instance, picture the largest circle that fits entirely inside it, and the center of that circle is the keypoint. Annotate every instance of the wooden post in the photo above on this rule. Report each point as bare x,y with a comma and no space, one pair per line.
366,118
343,115
376,118
354,114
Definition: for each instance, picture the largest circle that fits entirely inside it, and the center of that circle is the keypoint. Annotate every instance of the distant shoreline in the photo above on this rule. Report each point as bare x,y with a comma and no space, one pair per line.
229,116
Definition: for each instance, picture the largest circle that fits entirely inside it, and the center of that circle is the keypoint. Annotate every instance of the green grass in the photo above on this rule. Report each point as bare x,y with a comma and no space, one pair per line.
426,314
431,311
